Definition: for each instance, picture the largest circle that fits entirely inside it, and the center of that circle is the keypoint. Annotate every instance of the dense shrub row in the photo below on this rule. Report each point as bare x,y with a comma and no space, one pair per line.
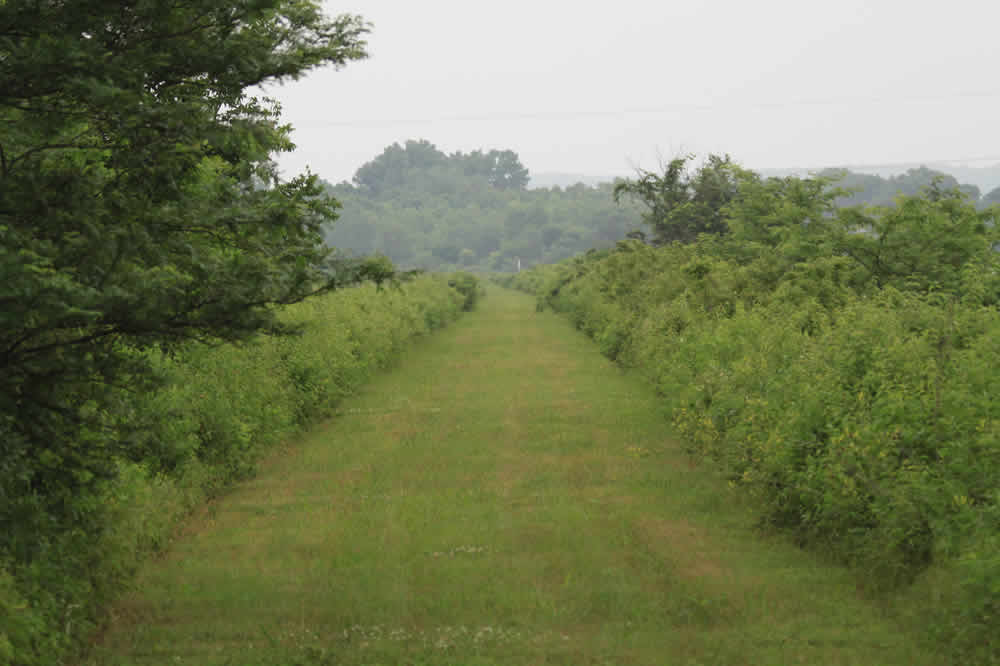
845,373
468,286
217,409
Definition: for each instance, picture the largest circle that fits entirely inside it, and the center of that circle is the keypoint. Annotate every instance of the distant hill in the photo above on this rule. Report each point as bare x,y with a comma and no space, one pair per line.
485,211
558,179
986,178
424,208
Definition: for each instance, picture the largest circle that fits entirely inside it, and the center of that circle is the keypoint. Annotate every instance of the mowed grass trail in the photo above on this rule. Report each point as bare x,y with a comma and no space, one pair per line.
504,496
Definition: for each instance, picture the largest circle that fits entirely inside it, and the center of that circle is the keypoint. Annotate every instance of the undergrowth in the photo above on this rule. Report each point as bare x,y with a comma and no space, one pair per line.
844,374
217,409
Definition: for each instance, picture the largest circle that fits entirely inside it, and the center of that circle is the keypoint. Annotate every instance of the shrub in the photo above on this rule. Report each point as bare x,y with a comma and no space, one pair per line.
467,285
857,402
215,410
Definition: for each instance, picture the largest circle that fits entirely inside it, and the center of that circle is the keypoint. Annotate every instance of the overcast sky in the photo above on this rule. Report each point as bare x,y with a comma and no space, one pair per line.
602,87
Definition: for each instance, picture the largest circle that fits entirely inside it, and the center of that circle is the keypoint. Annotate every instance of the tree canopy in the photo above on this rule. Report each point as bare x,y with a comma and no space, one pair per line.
681,203
424,208
861,188
420,163
139,206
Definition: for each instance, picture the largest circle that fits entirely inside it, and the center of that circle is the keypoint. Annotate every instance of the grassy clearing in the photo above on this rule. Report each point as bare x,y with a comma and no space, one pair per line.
505,496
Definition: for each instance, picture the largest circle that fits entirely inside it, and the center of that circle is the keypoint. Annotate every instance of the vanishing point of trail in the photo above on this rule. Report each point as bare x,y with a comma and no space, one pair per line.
504,495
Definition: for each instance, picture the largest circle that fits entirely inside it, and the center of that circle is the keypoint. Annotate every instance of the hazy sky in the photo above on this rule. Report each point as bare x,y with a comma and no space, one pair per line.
601,87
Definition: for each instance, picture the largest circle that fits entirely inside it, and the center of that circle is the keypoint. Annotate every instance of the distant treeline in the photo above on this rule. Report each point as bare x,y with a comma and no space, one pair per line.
985,178
882,191
424,208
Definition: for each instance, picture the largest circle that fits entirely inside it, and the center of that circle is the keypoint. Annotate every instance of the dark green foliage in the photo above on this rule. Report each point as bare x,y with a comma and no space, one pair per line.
140,212
399,166
139,209
467,285
216,410
680,204
923,243
392,168
469,211
840,364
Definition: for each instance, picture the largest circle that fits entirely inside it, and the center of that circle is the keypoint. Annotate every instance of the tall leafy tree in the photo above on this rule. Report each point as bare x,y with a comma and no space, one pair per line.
419,163
790,214
505,171
396,165
938,241
681,203
139,206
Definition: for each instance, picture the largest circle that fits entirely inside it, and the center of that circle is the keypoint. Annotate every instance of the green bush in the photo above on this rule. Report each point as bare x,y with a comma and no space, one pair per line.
467,285
216,410
856,401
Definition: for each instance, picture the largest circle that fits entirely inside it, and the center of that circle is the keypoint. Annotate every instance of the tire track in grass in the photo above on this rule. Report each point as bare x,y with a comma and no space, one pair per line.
504,496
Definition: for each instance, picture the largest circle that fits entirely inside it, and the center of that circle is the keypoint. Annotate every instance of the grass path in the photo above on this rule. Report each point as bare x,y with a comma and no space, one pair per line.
504,496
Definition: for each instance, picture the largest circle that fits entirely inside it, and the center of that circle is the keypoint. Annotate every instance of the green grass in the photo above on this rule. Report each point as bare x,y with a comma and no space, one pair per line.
504,496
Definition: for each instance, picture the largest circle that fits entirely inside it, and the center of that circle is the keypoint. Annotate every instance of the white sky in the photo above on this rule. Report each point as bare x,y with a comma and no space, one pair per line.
601,87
